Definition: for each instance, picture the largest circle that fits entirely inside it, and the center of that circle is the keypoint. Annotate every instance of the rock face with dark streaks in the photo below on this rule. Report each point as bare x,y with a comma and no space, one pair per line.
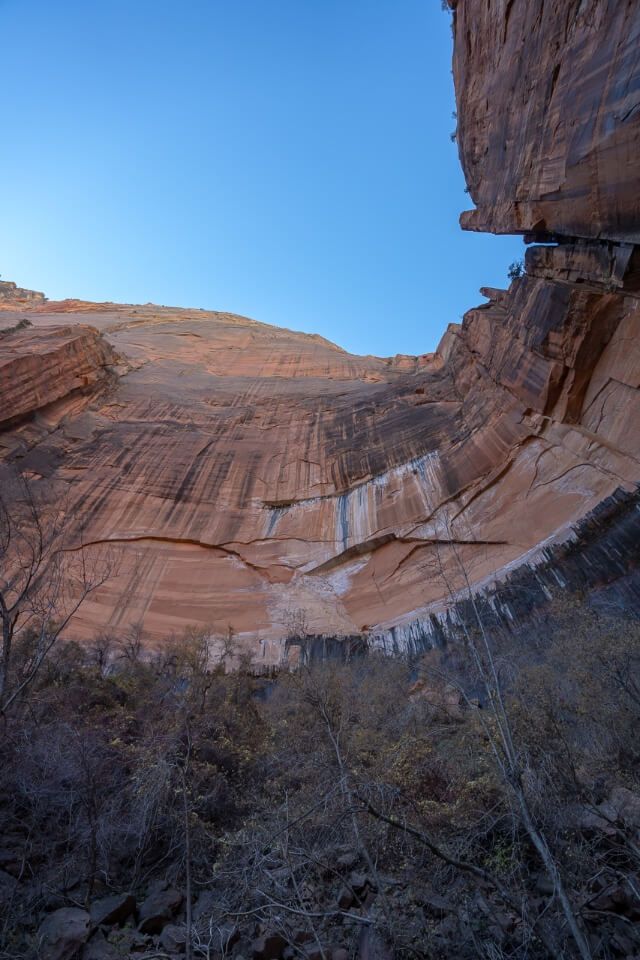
549,116
41,366
249,473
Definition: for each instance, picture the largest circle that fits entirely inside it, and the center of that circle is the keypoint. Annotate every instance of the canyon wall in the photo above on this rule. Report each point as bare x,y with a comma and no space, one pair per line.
40,367
265,479
549,116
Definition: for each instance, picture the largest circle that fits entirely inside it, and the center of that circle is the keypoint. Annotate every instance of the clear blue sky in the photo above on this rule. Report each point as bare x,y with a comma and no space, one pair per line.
288,160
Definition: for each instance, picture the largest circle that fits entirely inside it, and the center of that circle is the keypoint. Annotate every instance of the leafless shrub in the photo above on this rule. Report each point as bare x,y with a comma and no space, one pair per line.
44,580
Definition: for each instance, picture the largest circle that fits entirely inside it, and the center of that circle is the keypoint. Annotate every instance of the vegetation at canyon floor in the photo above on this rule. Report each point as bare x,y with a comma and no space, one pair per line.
157,805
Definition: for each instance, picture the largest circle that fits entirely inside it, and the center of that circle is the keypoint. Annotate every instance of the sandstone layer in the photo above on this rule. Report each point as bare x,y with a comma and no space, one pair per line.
268,480
10,291
248,472
40,367
549,115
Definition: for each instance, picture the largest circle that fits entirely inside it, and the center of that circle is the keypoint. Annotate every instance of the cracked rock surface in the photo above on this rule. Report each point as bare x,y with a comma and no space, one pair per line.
246,471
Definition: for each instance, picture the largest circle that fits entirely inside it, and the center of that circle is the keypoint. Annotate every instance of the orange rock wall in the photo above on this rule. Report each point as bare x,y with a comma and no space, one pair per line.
247,472
39,367
549,115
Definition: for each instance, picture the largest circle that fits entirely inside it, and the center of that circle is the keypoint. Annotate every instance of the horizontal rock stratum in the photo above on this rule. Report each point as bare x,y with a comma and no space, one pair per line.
248,473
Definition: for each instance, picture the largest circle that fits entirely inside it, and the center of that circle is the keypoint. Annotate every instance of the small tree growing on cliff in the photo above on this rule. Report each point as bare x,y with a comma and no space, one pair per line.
43,582
516,270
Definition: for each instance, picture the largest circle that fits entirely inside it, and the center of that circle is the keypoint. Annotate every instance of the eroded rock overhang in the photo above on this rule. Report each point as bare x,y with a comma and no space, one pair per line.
250,475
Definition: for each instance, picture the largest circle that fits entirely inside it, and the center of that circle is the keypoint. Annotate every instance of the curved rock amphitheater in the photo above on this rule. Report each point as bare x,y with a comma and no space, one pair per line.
249,473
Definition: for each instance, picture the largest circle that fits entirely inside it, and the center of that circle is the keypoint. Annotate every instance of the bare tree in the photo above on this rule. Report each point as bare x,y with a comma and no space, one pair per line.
101,652
183,772
44,580
511,759
131,644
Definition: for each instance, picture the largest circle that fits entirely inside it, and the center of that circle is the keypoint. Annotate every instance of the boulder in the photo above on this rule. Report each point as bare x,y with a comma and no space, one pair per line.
205,905
346,898
63,933
158,909
438,906
136,942
371,946
158,886
98,948
361,883
617,898
348,861
626,805
269,946
112,910
302,935
316,953
173,938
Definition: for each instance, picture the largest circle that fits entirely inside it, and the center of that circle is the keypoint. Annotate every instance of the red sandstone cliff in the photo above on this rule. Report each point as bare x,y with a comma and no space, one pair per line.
248,471
549,115
40,367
